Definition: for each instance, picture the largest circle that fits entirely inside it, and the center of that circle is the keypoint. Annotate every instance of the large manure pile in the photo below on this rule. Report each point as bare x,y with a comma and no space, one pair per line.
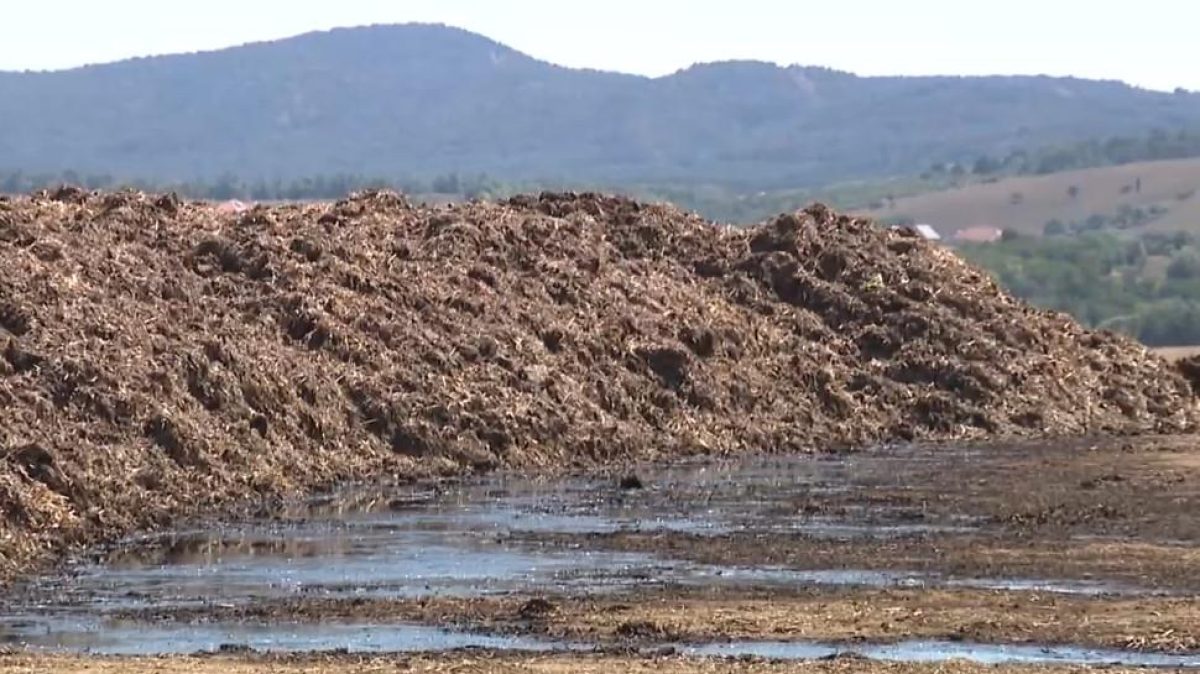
160,358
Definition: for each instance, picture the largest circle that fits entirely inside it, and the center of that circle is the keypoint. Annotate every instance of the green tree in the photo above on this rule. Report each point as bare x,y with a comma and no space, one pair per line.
986,166
447,184
1184,266
1054,228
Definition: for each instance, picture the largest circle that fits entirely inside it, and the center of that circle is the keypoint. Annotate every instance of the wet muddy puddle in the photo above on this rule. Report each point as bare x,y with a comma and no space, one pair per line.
940,651
462,541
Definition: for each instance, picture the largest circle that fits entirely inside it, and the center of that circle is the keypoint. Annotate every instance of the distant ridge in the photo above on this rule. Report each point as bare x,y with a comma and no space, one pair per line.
418,100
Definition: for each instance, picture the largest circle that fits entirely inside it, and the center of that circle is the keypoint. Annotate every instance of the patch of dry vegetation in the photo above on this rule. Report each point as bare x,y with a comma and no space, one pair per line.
1026,203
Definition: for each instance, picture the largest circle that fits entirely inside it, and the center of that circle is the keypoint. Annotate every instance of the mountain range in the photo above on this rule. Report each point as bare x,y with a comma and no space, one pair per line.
417,100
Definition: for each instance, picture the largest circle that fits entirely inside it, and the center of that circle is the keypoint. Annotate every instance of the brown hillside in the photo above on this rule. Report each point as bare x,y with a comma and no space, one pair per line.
161,359
1171,185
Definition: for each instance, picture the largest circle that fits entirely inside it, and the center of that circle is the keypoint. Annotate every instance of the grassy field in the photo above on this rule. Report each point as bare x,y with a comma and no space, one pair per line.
1026,203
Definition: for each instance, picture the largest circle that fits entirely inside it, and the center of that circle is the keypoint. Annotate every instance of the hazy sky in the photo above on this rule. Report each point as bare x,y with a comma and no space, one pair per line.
1152,43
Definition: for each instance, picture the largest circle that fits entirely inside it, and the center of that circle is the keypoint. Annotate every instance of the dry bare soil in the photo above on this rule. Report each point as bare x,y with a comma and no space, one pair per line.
1173,185
1177,353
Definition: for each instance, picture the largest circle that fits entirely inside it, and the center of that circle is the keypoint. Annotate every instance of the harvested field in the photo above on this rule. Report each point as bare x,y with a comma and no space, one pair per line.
1169,184
163,360
1176,353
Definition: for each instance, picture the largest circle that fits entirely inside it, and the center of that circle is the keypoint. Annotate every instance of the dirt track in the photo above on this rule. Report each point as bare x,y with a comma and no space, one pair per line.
162,360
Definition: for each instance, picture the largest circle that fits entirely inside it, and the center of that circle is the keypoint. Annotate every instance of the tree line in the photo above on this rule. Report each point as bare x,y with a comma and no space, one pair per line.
718,202
1148,287
1155,145
229,186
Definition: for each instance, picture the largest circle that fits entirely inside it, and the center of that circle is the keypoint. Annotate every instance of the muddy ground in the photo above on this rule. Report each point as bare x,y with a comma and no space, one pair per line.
1069,545
660,616
1105,529
1110,509
486,662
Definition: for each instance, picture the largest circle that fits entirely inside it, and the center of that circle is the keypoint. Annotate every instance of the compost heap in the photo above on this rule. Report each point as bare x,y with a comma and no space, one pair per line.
162,358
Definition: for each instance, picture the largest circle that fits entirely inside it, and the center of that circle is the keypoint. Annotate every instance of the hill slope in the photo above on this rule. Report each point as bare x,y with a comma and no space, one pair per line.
418,99
1167,192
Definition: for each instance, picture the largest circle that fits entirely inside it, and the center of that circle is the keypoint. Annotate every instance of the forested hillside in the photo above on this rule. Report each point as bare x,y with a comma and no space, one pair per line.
417,101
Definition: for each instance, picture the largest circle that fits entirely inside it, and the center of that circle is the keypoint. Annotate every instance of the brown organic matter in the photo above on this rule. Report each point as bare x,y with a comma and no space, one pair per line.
162,359
659,617
1189,367
474,662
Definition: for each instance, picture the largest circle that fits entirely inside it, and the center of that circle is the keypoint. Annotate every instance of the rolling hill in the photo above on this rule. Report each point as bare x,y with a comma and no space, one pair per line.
1169,199
419,100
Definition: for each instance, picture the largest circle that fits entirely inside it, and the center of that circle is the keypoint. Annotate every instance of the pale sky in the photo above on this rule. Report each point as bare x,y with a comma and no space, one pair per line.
1150,43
